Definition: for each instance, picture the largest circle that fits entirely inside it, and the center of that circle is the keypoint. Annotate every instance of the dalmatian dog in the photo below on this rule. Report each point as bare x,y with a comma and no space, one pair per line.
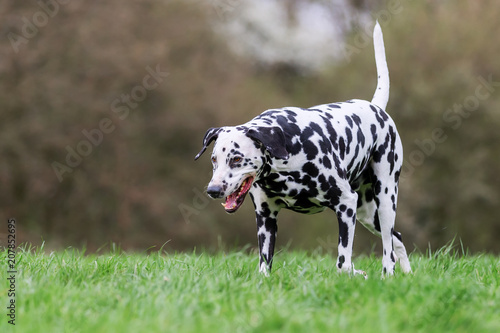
344,156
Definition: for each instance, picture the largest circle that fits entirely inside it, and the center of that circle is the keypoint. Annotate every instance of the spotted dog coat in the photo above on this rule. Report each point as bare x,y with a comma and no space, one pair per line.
343,156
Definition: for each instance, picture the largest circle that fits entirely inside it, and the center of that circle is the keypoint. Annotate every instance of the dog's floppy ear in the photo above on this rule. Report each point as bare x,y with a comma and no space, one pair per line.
272,138
210,136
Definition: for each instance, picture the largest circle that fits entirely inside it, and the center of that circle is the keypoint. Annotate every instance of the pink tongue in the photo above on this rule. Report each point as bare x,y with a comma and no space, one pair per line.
231,201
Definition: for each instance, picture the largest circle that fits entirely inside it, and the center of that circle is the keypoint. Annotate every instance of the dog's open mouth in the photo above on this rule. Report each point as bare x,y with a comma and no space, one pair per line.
235,199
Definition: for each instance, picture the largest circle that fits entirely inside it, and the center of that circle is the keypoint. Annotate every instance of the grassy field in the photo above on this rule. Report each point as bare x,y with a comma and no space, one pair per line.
67,291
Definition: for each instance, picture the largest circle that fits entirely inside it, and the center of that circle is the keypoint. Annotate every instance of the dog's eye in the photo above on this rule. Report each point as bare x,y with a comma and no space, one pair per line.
237,159
214,160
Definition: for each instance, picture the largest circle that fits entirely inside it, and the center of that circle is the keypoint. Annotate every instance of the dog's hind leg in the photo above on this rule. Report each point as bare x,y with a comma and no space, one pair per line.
367,214
387,217
400,250
385,189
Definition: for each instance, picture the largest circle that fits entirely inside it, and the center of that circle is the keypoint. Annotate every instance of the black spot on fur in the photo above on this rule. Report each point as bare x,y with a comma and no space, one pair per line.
306,134
310,149
310,169
361,137
396,176
303,200
327,163
324,186
343,233
397,235
348,134
373,130
349,121
342,148
360,200
356,119
333,194
376,221
378,187
380,115
341,261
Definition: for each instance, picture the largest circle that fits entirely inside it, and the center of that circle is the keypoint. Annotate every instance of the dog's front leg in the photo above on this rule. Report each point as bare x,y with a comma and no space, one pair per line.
267,229
346,215
266,212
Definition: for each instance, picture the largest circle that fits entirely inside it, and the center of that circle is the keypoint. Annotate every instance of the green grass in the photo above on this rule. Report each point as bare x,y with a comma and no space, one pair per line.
67,291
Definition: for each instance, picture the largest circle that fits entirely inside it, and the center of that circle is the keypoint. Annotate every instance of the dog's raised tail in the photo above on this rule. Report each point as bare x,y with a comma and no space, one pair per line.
381,96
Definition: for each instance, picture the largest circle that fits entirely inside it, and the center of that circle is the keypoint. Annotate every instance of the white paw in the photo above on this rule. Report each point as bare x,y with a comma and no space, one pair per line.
359,272
263,269
352,271
405,266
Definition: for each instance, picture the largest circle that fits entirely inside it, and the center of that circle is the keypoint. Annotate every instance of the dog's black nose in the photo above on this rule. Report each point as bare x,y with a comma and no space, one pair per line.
215,191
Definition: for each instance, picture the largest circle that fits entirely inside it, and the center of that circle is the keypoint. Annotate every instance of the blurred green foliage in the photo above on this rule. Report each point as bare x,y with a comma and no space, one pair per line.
89,70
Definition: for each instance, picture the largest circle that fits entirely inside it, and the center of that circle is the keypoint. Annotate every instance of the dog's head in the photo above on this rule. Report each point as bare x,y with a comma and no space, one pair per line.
238,158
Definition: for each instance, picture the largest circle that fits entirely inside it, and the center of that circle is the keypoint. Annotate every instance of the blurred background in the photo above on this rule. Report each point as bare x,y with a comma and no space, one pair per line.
104,104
